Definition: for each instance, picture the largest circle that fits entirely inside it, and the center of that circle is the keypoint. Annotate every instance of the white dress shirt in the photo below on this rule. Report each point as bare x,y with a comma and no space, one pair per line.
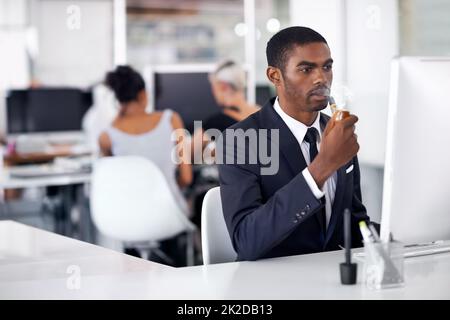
299,130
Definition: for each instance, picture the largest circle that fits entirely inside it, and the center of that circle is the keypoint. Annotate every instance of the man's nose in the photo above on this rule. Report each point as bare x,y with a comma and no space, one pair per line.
319,77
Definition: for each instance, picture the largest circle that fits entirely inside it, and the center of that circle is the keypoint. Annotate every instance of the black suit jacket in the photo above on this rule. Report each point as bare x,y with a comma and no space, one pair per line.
276,215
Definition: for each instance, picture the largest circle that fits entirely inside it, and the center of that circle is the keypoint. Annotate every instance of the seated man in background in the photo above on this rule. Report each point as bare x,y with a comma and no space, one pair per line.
297,207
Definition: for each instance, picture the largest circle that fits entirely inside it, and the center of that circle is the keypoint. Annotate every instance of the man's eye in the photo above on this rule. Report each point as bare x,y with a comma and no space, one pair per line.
306,70
328,67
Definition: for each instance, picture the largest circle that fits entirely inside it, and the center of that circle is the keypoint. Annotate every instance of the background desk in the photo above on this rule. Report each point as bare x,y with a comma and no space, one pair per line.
70,184
7,181
34,265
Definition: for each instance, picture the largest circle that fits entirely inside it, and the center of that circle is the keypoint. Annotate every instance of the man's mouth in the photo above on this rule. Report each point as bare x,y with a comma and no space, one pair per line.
320,94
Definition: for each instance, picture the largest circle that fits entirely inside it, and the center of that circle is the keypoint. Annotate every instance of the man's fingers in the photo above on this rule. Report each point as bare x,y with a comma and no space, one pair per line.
349,121
330,124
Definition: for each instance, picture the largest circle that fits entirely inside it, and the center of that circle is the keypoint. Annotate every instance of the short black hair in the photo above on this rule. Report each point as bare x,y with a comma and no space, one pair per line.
283,41
125,82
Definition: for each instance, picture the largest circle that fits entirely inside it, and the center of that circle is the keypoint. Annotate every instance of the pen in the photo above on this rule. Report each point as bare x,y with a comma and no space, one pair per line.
374,233
348,236
391,271
366,234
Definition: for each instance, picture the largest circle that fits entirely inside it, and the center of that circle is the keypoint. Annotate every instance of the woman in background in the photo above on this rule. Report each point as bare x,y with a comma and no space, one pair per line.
228,82
136,132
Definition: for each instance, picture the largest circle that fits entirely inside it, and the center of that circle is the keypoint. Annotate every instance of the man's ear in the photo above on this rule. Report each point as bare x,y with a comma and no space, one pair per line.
274,75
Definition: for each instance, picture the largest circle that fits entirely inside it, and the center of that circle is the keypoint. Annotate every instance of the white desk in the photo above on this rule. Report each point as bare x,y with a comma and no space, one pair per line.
9,182
33,265
68,182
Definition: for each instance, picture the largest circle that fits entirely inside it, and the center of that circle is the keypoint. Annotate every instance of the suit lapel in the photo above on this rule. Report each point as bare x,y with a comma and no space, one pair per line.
291,151
288,144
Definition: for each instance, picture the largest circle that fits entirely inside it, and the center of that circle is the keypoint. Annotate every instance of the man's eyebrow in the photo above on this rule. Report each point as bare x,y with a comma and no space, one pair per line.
306,63
312,64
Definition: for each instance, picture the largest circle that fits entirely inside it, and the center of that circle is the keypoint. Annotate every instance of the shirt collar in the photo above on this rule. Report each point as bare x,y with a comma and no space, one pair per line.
297,128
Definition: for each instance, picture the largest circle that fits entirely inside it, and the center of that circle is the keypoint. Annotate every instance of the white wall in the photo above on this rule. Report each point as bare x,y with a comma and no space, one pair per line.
372,42
363,38
75,46
13,59
14,42
13,13
372,39
324,16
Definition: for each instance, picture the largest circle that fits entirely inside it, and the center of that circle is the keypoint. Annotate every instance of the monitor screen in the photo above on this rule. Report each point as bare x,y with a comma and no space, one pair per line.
416,201
16,102
46,110
188,93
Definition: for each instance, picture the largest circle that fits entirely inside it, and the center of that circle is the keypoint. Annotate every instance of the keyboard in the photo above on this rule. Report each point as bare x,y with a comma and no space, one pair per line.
417,250
34,171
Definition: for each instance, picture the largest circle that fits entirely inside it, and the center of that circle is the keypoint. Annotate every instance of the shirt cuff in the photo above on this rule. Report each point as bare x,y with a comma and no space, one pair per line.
312,184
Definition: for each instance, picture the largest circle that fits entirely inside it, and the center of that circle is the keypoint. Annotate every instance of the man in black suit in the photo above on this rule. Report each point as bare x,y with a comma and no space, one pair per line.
295,203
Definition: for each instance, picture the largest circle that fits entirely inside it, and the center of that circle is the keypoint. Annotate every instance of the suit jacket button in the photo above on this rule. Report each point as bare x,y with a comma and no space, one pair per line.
297,215
307,207
295,221
302,213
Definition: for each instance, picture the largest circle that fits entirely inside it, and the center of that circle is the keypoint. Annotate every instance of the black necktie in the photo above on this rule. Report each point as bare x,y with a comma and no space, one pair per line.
311,138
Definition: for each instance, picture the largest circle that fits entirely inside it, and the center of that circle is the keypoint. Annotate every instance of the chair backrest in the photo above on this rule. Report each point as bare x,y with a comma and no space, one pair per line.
216,242
131,201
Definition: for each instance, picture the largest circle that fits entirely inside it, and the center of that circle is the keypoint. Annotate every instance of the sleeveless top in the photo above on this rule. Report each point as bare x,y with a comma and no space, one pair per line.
155,145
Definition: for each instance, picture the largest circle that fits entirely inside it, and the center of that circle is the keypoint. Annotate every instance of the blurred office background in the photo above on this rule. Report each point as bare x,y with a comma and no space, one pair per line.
72,44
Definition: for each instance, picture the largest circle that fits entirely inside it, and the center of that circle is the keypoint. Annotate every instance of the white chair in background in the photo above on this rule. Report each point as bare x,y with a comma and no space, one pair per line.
131,201
216,242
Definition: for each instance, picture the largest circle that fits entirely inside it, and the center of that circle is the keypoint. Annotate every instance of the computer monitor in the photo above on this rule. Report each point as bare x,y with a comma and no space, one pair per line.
184,90
16,101
46,110
416,195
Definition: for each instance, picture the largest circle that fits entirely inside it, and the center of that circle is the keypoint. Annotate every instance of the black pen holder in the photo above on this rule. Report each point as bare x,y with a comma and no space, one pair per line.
348,272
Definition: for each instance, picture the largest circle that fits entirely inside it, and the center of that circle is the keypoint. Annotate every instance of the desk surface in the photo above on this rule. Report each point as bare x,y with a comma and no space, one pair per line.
9,182
34,265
